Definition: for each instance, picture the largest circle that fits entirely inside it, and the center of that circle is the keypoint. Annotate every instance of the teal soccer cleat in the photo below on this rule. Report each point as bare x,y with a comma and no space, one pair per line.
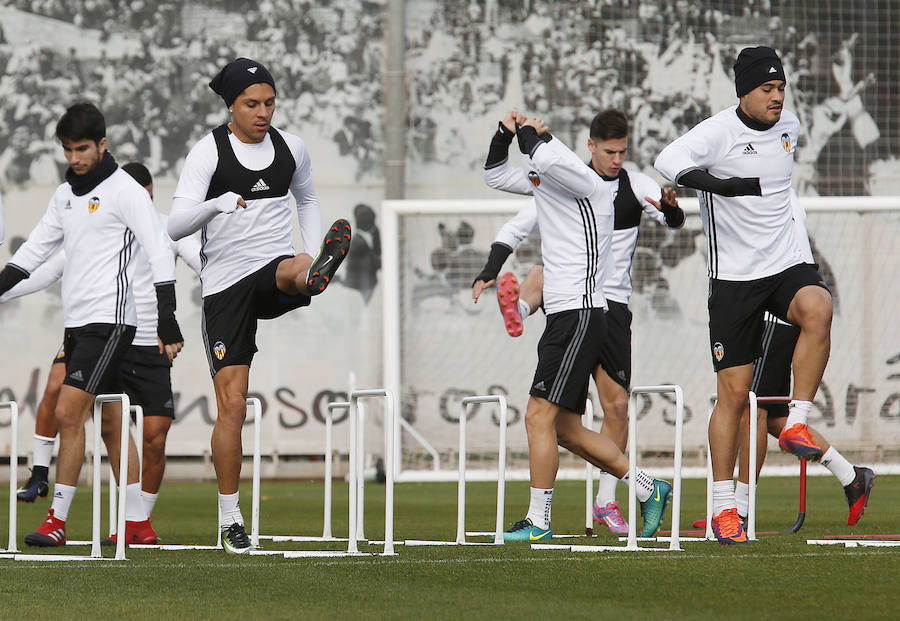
524,530
653,508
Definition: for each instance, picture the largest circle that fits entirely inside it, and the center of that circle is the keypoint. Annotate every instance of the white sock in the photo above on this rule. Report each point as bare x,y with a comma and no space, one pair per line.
62,500
43,450
524,308
723,496
606,489
539,507
798,413
839,466
230,508
134,504
742,498
149,501
643,485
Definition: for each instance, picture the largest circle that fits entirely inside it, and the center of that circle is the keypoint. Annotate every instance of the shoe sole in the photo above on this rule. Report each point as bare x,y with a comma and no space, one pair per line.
802,451
42,541
508,298
334,250
232,550
870,483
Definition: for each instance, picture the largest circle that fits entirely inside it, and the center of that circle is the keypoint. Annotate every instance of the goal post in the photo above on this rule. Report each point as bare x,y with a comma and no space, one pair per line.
438,347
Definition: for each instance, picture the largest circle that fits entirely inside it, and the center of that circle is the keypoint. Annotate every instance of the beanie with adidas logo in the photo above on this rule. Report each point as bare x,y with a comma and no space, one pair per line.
755,66
237,76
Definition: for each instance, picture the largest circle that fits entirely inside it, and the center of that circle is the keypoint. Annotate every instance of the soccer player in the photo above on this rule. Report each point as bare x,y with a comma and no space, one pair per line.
740,161
236,187
608,144
146,372
574,211
97,214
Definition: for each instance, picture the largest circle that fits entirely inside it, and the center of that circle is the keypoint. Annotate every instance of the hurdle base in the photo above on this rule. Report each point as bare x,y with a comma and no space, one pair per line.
62,557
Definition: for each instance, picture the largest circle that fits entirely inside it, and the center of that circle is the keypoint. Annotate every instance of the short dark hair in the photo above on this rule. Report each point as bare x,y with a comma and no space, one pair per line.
139,173
609,125
82,121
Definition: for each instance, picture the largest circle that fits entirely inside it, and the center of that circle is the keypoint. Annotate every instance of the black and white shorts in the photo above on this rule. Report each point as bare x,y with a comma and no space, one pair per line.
230,316
736,310
94,355
147,378
568,351
772,370
615,355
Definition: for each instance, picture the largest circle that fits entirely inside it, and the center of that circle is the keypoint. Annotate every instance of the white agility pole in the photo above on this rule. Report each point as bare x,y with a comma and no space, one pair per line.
13,408
329,463
389,430
254,404
138,413
588,421
632,462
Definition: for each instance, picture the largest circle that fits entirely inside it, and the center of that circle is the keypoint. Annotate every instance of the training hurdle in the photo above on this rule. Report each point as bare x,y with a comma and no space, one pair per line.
752,477
138,413
632,539
461,533
13,408
96,554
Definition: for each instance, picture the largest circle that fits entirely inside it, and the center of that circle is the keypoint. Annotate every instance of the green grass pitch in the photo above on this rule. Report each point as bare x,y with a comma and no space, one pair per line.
778,577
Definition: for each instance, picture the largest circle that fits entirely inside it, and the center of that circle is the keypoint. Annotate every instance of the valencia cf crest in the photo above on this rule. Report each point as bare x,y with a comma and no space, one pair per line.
93,204
786,142
719,351
534,178
219,349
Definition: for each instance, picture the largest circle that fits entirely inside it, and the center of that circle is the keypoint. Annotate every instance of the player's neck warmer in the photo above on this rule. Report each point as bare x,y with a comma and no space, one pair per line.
755,66
82,184
238,75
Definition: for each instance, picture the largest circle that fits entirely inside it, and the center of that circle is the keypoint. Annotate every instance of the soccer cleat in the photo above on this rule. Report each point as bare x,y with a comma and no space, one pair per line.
728,528
858,493
334,250
35,486
49,534
135,532
653,508
235,539
524,530
508,297
610,515
797,441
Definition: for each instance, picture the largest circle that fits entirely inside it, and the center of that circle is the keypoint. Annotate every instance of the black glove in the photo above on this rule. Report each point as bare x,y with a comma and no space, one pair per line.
10,276
496,259
673,213
499,151
167,327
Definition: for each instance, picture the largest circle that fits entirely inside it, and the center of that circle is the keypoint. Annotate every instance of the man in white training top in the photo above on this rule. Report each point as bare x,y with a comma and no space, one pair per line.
235,188
740,161
98,215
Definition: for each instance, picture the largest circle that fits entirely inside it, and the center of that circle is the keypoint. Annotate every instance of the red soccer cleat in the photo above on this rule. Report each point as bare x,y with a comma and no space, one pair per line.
135,532
508,298
797,441
49,534
858,493
728,528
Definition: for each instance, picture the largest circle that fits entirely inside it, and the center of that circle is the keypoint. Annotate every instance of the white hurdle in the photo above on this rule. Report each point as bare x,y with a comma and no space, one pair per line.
632,462
13,408
138,413
96,554
588,421
390,424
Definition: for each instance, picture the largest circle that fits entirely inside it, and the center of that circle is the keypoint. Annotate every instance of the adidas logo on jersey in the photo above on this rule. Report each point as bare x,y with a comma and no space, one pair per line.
749,150
259,186
77,375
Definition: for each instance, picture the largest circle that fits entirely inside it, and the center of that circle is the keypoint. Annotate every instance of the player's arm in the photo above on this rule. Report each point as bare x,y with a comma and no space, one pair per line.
40,245
685,161
190,209
188,250
554,159
499,174
137,213
508,239
44,276
2,224
309,209
661,204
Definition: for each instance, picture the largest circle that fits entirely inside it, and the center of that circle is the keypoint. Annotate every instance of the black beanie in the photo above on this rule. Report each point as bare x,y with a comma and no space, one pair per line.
139,172
238,75
755,66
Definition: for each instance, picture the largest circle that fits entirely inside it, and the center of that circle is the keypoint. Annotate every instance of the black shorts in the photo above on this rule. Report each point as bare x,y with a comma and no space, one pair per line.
736,310
615,355
772,370
148,381
230,316
94,356
568,351
61,353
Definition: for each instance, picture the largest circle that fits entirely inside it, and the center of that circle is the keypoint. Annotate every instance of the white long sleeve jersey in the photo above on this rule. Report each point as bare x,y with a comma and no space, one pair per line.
749,237
98,232
239,243
617,286
186,248
574,210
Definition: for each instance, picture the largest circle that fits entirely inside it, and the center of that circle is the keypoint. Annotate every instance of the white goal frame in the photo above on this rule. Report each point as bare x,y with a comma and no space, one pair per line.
392,210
